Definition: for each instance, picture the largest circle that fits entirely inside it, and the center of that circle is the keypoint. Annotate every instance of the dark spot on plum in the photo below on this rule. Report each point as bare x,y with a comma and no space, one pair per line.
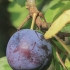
44,47
42,37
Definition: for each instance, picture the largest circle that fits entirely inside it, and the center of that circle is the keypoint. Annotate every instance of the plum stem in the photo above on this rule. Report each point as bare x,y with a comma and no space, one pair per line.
33,20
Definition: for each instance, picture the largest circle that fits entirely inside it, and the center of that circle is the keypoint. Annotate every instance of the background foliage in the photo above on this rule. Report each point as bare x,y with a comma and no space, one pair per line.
13,13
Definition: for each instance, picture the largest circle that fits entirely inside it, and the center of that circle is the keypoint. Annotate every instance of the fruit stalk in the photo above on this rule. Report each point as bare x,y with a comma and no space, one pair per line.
34,17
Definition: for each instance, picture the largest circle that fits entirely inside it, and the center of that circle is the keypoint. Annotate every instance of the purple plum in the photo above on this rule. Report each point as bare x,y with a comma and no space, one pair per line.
28,50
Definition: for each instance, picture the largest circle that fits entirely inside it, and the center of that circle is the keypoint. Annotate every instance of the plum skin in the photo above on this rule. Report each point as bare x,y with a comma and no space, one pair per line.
28,50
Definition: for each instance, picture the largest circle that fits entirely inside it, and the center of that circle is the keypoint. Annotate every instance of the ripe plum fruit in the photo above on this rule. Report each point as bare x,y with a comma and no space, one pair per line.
28,50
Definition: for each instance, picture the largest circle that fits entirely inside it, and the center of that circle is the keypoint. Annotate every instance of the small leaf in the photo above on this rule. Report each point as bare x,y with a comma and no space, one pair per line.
4,64
67,63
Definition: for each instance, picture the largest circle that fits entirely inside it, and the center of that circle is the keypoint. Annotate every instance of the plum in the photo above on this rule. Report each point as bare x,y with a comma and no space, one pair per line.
28,50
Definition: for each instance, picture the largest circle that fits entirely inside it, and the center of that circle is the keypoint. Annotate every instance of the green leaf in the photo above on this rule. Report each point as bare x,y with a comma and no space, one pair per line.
67,63
66,29
20,2
59,45
55,7
4,64
64,8
18,14
57,64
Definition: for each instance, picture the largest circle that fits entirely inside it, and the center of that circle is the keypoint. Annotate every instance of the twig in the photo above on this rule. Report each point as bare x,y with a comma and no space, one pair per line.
23,22
59,58
56,47
62,35
62,43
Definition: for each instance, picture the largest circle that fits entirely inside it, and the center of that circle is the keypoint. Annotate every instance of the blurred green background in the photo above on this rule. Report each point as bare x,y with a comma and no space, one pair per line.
13,13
